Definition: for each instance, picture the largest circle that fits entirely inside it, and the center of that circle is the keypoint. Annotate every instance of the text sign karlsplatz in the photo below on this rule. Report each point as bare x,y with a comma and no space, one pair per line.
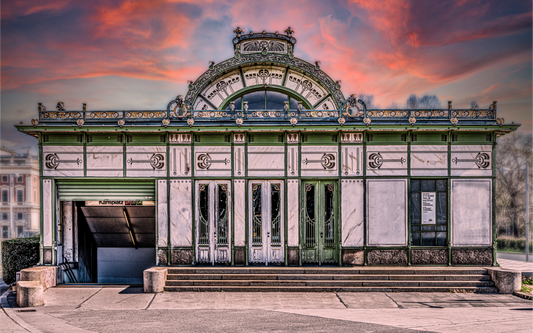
119,203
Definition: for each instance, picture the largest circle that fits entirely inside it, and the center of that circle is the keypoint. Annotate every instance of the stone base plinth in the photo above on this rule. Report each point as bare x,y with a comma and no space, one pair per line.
29,293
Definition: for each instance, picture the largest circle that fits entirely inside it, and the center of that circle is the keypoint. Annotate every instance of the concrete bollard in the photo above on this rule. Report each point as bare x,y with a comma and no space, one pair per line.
45,275
506,281
154,279
29,293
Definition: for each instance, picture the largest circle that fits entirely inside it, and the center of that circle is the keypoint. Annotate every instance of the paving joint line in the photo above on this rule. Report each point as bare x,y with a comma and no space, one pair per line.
398,305
340,299
149,304
88,298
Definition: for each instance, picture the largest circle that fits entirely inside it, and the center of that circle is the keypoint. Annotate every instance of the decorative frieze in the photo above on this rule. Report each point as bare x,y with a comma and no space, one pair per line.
471,160
146,161
63,161
386,160
319,161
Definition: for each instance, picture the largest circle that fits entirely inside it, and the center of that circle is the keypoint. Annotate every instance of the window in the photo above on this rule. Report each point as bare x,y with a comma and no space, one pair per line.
4,232
20,216
19,179
429,204
4,179
20,231
5,196
5,216
20,195
265,100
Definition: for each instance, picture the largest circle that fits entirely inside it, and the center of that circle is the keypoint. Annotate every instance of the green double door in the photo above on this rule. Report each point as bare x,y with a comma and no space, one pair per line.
319,222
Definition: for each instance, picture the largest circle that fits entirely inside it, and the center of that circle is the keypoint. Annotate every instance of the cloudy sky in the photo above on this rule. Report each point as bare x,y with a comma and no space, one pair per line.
129,54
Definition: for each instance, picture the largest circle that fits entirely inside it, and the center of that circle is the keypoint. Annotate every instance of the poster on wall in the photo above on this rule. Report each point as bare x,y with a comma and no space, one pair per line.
428,208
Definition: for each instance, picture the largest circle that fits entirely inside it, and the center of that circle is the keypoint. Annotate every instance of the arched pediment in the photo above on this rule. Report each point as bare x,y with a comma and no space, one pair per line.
227,80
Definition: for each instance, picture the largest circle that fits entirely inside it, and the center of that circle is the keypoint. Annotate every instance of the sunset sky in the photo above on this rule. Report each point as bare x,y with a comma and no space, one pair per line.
129,54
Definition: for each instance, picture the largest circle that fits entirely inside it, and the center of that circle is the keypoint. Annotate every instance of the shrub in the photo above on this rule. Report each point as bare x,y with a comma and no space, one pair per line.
514,244
18,254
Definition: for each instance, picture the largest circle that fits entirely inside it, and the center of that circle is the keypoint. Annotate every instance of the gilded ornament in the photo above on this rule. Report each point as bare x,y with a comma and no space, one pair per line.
34,122
121,122
412,120
294,121
342,120
239,121
166,122
80,122
367,121
190,121
454,121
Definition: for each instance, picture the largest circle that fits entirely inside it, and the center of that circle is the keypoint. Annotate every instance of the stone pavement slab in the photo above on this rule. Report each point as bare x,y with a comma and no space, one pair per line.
514,265
367,301
130,298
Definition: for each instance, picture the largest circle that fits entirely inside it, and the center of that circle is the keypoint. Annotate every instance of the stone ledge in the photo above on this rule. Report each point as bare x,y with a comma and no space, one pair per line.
45,275
523,295
154,279
29,293
506,281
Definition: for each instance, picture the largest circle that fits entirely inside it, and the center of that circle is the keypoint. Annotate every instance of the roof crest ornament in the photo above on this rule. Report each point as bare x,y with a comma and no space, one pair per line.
289,31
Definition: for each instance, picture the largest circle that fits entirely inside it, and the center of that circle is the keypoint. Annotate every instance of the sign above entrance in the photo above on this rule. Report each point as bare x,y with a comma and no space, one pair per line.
119,203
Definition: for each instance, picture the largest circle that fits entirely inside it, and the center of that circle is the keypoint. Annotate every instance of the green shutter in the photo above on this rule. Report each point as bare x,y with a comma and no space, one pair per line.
86,190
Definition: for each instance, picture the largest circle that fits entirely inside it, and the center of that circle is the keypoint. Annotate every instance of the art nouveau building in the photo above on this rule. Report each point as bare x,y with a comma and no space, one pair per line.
265,162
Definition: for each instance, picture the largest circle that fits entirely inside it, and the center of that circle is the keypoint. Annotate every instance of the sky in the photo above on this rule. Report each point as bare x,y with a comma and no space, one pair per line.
135,55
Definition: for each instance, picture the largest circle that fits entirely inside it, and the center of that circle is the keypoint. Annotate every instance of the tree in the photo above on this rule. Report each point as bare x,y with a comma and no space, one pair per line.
430,102
369,101
512,153
412,102
393,106
474,105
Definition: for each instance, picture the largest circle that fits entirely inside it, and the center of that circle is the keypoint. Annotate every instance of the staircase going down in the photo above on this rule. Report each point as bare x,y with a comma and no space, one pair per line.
319,279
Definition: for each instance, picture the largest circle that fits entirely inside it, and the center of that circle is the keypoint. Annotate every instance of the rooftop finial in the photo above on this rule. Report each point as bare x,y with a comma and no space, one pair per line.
289,31
238,31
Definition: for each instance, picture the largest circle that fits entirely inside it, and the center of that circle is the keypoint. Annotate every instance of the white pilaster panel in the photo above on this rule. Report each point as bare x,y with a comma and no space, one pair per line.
471,207
429,160
292,161
105,161
472,160
319,161
266,161
386,160
146,161
239,158
240,212
68,231
180,161
386,212
293,210
352,160
162,213
47,212
212,161
180,213
352,227
63,161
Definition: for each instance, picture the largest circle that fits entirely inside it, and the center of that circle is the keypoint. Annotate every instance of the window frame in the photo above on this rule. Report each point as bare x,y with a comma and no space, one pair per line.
21,193
5,231
7,195
446,212
241,93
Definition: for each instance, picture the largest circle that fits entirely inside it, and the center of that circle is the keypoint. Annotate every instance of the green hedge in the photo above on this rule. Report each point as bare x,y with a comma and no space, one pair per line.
513,244
18,254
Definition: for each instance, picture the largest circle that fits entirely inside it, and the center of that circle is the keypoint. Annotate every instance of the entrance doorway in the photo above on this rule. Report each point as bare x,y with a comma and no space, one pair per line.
213,222
266,229
319,222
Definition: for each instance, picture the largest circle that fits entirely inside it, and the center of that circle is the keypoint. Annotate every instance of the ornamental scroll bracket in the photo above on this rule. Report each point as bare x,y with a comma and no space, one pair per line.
156,161
179,107
375,160
205,161
482,160
327,161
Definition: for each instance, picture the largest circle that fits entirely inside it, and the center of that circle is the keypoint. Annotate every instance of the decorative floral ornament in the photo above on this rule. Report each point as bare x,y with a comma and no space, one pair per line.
166,122
60,106
80,122
239,121
454,121
367,121
34,122
190,121
289,31
500,121
342,120
412,120
121,122
294,121
238,31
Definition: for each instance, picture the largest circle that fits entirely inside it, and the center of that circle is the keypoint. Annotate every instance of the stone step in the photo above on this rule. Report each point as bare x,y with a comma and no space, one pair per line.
326,270
327,289
330,283
462,277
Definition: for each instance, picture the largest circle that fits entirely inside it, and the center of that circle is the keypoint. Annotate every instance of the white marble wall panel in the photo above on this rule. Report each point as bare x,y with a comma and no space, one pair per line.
239,159
352,217
352,160
471,207
162,213
429,160
105,161
386,212
319,161
180,213
386,160
68,231
305,86
180,161
471,160
292,161
47,212
327,104
266,161
223,87
63,161
212,161
239,205
146,161
293,210
259,75
201,104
